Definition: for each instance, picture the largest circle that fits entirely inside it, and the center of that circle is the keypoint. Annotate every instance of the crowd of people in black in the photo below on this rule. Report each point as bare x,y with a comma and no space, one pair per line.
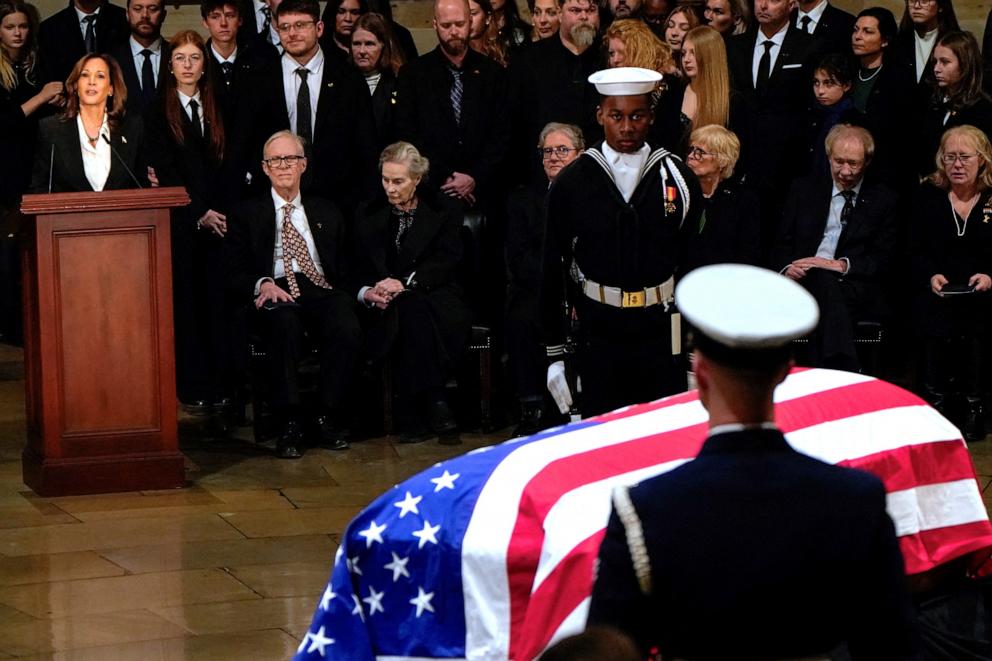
331,170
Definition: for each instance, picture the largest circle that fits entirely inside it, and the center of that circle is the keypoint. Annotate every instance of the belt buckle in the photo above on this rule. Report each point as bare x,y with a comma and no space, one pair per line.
633,299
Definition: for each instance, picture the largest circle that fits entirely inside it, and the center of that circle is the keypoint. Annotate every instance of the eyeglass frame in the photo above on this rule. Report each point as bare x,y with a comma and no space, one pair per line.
182,58
951,159
283,162
561,151
920,3
698,153
298,26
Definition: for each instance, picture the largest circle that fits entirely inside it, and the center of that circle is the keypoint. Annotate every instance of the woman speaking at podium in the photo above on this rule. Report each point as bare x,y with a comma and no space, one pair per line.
91,145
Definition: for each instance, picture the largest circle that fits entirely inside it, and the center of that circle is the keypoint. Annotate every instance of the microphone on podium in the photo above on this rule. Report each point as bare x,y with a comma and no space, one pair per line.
106,139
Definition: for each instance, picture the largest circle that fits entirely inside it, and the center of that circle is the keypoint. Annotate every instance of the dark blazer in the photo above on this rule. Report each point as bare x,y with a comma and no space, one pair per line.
732,232
424,116
58,147
987,48
815,561
136,102
384,109
774,122
250,57
21,132
343,158
250,243
60,39
933,126
833,30
893,111
867,240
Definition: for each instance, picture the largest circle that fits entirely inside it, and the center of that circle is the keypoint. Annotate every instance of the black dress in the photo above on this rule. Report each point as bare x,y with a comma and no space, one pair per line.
729,230
20,133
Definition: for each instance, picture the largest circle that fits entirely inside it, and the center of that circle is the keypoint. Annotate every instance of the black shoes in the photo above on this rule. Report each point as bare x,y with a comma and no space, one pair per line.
197,407
443,423
974,422
331,437
290,442
531,420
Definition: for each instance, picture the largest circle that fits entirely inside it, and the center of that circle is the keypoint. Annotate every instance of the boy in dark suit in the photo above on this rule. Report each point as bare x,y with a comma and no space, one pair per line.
85,26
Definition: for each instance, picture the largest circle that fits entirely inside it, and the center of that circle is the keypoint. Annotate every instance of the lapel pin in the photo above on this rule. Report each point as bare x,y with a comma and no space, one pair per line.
123,139
330,84
320,226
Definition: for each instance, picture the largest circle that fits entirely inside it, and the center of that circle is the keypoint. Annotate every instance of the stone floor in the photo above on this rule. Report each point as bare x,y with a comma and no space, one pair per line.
228,568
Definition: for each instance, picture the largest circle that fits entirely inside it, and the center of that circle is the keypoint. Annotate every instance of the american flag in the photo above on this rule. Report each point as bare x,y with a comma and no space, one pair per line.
490,555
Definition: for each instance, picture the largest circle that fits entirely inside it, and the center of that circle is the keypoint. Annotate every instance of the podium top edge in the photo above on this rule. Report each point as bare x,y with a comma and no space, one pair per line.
113,200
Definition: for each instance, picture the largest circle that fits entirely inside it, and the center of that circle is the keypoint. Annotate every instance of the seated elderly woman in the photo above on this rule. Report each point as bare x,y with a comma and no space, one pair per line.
730,225
952,261
407,254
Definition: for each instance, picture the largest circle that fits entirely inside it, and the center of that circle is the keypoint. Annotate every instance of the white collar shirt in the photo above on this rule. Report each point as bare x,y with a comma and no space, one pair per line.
230,59
299,220
759,50
139,59
291,86
815,14
924,47
96,158
626,168
184,102
82,16
831,233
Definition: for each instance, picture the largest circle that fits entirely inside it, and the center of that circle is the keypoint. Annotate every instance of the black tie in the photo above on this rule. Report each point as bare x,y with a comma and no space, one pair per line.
194,113
304,127
227,70
764,66
845,213
805,20
268,21
147,76
90,38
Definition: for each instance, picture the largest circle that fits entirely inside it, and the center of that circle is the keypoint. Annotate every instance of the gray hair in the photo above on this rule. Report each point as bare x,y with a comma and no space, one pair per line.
850,131
285,134
407,154
573,132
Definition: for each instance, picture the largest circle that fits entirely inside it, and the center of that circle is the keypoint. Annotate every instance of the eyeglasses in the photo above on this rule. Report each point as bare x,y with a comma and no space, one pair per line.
298,26
561,151
180,58
949,159
697,153
283,161
920,3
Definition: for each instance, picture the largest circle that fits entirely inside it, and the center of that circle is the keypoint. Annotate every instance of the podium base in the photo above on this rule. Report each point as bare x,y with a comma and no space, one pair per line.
89,475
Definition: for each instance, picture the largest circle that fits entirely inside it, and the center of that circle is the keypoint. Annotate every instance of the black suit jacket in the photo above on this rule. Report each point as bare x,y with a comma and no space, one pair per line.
249,58
136,102
58,148
60,39
343,157
249,247
833,30
424,116
773,122
867,240
732,232
815,559
384,110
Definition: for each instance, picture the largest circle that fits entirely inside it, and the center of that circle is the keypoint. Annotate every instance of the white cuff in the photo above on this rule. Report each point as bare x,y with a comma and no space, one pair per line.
258,285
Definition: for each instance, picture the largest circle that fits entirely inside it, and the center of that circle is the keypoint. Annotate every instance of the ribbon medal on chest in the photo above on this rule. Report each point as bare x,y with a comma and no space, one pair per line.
670,195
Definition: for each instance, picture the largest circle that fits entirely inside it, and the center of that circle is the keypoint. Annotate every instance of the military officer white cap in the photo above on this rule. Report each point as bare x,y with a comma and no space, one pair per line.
625,81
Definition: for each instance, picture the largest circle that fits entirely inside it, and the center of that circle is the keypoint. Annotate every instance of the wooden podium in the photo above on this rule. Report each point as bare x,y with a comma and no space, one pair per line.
98,342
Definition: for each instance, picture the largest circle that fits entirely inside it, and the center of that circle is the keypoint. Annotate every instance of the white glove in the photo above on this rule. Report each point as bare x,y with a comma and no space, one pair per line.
558,386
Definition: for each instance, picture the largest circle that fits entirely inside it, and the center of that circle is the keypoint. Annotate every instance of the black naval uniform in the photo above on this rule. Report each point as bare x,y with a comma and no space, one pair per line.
633,249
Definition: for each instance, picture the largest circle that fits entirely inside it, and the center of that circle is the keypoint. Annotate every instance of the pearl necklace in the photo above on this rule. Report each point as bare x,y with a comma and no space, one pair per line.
865,80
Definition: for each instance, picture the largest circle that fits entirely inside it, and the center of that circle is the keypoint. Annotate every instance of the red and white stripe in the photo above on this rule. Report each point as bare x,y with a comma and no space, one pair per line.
528,553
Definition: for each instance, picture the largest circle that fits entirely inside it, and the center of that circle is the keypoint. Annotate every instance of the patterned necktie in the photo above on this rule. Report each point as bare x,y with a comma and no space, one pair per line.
194,115
805,20
294,247
764,66
90,38
457,88
268,21
227,70
147,76
848,210
304,125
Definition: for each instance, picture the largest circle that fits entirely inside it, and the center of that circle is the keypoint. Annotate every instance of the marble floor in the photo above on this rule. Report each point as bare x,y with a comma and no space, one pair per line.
230,567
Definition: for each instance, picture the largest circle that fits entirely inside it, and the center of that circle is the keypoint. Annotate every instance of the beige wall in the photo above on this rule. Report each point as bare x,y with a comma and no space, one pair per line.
416,15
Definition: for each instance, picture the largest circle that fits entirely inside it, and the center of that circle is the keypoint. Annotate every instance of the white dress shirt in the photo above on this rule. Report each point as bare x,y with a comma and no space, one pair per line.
184,102
814,16
759,50
372,80
924,47
626,168
96,158
139,59
82,15
221,59
291,86
831,233
299,220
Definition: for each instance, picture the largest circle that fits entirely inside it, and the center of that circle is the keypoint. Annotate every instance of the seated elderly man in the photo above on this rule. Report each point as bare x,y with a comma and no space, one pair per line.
287,252
836,238
558,145
407,254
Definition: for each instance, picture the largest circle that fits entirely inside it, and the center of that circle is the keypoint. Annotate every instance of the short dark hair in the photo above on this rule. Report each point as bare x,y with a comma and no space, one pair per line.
308,7
887,26
838,67
208,6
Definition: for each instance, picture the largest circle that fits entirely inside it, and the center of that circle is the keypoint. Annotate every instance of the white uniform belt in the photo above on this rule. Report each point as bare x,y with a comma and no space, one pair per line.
641,298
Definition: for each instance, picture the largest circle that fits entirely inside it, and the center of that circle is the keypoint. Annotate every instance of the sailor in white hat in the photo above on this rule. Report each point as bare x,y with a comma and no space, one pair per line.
618,217
752,550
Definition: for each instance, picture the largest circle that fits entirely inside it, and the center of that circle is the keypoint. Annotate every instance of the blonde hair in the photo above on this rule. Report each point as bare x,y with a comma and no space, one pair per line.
850,131
406,154
8,74
981,142
712,82
641,47
724,145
